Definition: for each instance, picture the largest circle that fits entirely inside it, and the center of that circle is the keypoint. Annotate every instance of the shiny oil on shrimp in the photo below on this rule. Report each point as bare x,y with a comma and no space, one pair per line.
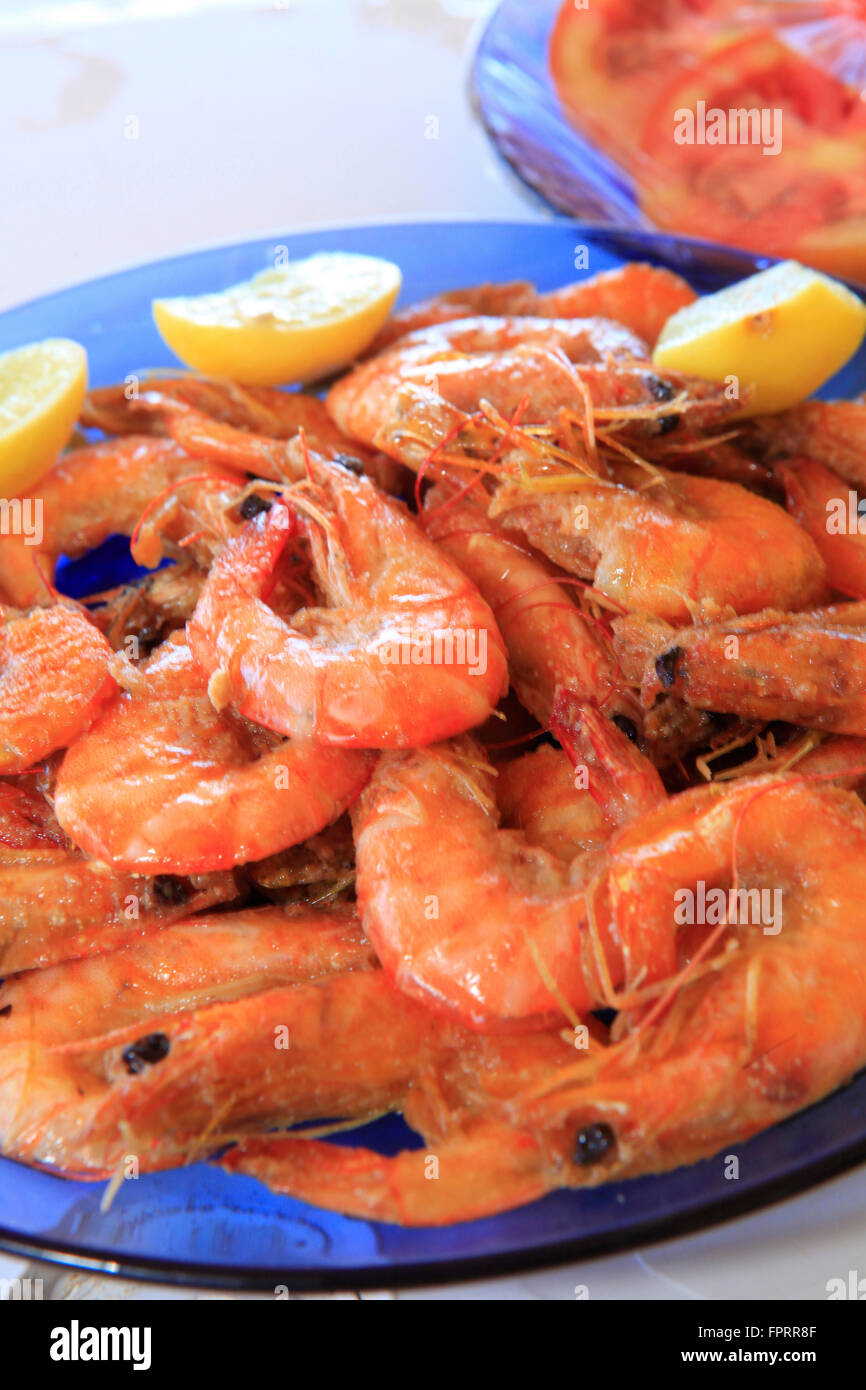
403,650
744,1034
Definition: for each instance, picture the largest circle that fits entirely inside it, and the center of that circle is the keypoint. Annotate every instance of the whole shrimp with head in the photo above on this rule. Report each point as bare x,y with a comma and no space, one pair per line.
743,1033
551,413
402,650
429,386
167,1048
492,924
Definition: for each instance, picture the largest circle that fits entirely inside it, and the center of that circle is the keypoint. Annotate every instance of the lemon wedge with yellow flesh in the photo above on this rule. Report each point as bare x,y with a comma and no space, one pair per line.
42,390
297,323
781,333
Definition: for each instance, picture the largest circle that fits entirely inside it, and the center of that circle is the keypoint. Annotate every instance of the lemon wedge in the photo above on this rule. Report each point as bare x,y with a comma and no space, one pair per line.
42,389
782,333
296,323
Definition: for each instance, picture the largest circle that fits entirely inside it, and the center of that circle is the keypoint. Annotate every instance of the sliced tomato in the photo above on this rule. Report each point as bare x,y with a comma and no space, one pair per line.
736,192
656,14
756,71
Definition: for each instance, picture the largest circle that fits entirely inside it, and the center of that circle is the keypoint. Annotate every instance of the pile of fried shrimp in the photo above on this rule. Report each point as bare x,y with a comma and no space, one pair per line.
488,751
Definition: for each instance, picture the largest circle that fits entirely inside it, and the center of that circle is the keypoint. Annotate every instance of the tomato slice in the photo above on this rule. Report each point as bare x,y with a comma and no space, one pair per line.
657,14
755,71
736,192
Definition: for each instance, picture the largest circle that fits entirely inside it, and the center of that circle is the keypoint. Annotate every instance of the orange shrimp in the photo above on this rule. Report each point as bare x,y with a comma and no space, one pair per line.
165,784
580,340
512,297
405,652
161,1051
54,679
56,905
826,507
206,417
805,668
550,641
535,794
670,544
466,1102
503,360
97,491
840,759
642,297
421,397
736,1041
832,433
502,935
260,409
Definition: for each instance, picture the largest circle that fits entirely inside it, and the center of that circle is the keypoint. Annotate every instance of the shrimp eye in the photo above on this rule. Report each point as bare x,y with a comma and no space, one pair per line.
592,1144
6,1011
665,423
666,667
354,465
626,727
146,1052
171,889
253,505
659,389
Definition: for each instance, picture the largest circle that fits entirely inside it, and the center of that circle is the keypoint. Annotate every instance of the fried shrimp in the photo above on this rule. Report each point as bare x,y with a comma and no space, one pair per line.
54,679
159,401
832,433
826,507
806,668
504,936
669,544
164,783
630,948
642,297
550,640
168,1047
535,367
56,905
711,1061
403,650
95,492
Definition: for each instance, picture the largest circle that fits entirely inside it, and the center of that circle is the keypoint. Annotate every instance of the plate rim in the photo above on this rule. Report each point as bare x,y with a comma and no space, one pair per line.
415,1273
548,217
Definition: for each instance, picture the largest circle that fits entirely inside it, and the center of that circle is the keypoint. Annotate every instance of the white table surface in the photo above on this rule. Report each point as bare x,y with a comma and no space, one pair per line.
253,118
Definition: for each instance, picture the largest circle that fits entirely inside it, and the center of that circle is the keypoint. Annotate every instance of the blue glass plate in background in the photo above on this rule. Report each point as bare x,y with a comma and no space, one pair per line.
528,123
201,1226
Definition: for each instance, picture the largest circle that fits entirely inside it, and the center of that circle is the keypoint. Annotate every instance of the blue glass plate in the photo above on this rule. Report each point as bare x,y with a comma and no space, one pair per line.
199,1225
524,116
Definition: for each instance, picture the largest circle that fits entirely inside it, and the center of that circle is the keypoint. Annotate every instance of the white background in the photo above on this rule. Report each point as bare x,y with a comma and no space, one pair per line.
256,118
